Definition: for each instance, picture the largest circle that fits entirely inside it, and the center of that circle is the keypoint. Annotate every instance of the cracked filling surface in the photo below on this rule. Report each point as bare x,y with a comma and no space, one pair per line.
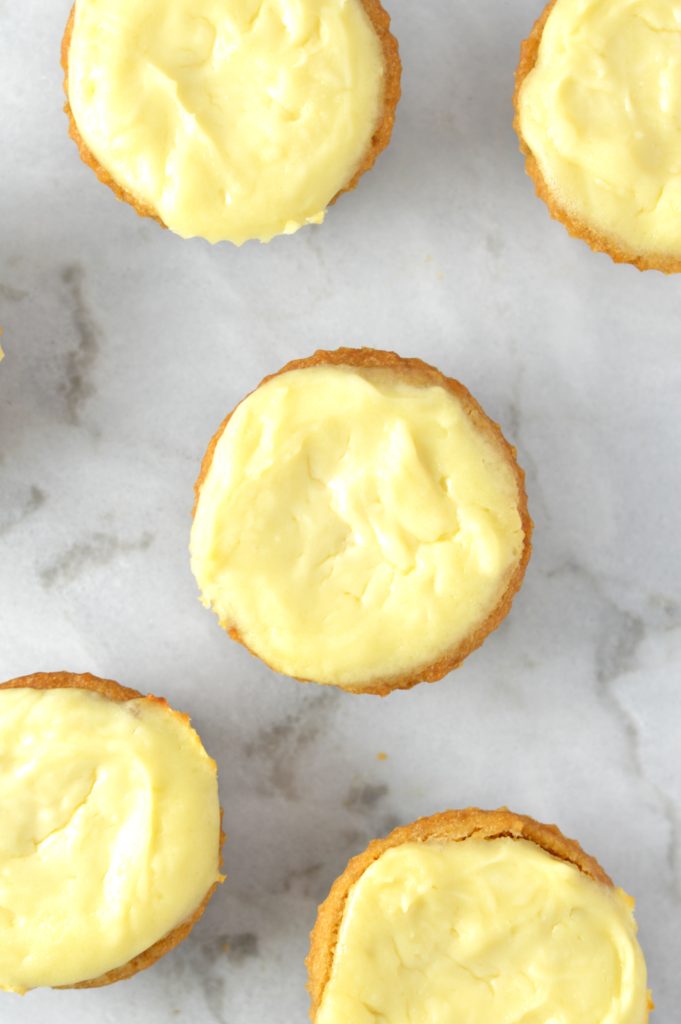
109,832
599,112
232,119
484,932
353,526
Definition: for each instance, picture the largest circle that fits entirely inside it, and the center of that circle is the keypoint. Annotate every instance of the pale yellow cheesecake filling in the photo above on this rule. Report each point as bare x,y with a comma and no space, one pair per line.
600,113
109,832
484,932
232,119
353,526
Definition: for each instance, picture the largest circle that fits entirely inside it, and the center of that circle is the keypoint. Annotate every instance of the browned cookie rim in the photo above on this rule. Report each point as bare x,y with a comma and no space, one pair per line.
417,372
380,20
449,826
112,690
616,250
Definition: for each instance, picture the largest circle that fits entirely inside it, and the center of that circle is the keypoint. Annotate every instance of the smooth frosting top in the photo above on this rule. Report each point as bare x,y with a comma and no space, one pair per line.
232,119
484,932
353,526
110,832
600,114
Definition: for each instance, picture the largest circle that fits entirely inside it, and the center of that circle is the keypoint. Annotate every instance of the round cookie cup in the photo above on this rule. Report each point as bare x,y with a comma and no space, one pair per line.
416,372
114,691
616,250
380,20
449,826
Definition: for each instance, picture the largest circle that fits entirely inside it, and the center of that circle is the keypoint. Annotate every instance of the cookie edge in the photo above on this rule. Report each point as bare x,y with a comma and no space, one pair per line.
380,21
113,691
448,826
618,253
413,370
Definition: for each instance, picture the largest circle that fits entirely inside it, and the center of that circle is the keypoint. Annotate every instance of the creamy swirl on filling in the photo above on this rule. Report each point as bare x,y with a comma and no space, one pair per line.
110,832
232,119
353,526
487,932
600,114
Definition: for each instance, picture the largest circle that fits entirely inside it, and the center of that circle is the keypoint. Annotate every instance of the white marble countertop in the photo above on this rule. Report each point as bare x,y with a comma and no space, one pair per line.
125,346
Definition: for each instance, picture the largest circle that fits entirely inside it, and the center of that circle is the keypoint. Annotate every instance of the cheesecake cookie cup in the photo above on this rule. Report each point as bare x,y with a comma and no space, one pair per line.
359,521
230,119
477,916
597,94
110,831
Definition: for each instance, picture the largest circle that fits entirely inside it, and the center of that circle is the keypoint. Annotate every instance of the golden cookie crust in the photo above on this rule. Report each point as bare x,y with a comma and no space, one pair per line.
450,826
380,19
618,253
114,691
415,372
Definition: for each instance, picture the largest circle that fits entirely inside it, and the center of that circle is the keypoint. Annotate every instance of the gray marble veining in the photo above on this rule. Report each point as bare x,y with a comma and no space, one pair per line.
125,346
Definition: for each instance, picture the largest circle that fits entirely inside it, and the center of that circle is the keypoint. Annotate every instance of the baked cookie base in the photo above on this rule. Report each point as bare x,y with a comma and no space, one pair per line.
450,826
618,253
380,19
114,691
413,371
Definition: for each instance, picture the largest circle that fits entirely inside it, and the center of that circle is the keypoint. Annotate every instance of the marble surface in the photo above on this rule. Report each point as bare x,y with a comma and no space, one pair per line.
125,346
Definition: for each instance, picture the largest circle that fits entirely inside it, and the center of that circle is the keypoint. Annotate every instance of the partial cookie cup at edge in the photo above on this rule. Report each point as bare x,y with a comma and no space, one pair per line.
446,827
113,691
618,253
380,20
417,372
